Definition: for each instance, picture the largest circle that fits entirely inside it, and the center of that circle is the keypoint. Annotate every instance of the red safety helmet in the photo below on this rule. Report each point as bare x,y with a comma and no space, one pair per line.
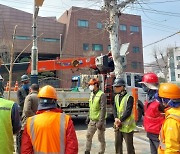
150,80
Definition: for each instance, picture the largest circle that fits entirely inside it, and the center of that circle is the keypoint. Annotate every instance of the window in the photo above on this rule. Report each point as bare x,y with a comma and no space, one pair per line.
22,37
134,65
178,66
83,23
123,27
136,49
177,57
178,75
50,39
97,47
128,79
85,46
134,28
99,25
139,64
137,79
109,47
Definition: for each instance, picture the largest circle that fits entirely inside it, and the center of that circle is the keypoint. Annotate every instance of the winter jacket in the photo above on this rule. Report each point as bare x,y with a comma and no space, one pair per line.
170,133
21,95
30,107
153,118
71,143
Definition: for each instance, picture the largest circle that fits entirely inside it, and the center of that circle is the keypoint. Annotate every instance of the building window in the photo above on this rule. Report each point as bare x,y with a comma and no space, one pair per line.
109,47
97,47
99,25
123,27
134,28
136,49
22,37
128,79
178,75
85,46
134,65
50,39
83,23
178,67
177,57
139,65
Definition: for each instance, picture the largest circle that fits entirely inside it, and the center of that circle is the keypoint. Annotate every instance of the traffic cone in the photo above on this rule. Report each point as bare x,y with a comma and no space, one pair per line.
16,86
7,86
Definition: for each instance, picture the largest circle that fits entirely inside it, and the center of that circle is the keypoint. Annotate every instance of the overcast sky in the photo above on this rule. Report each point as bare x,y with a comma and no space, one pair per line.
160,18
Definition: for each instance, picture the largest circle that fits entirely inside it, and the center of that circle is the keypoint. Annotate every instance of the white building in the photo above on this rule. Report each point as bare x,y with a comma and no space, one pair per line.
174,65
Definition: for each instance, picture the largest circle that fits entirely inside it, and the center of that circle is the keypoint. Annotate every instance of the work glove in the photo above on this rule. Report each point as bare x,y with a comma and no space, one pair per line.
100,125
87,120
117,124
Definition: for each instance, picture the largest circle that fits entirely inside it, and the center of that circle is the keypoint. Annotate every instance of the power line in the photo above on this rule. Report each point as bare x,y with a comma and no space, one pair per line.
161,39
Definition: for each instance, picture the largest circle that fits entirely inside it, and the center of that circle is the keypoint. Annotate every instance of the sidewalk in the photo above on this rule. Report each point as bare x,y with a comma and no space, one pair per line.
141,143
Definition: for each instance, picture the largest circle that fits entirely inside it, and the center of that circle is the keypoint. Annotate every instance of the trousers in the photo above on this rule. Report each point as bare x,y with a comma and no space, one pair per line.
128,137
92,128
18,141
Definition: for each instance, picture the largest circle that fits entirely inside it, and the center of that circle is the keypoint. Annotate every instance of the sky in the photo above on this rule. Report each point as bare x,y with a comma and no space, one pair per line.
160,18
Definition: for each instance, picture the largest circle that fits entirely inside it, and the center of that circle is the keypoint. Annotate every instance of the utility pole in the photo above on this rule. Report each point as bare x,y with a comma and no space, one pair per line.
34,50
114,8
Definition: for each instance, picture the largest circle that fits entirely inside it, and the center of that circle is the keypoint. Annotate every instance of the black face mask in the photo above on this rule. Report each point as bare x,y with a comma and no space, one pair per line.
145,88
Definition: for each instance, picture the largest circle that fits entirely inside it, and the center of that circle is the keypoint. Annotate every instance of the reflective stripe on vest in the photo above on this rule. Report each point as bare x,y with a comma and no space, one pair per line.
161,135
94,104
63,119
6,133
129,124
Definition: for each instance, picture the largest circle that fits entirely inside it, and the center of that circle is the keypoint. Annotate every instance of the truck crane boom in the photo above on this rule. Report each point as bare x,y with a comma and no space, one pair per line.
62,64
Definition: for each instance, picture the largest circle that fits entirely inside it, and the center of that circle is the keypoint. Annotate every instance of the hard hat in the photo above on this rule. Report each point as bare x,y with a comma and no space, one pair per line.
119,82
47,92
93,81
150,80
24,78
169,90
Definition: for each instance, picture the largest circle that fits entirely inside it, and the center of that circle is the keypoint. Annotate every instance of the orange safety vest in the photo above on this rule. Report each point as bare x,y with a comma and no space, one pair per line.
47,132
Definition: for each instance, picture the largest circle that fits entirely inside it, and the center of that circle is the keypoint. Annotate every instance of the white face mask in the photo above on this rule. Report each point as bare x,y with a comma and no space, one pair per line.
91,87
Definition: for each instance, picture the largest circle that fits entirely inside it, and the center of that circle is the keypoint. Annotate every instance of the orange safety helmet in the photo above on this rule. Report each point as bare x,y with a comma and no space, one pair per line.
169,90
93,81
47,92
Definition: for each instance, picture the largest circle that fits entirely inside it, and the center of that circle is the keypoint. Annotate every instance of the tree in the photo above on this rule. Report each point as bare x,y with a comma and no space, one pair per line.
114,8
162,58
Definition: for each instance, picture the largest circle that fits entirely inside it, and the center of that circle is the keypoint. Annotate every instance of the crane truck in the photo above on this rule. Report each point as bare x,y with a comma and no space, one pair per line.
77,102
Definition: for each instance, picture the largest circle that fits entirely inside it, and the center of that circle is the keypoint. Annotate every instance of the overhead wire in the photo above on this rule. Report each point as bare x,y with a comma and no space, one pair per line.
161,39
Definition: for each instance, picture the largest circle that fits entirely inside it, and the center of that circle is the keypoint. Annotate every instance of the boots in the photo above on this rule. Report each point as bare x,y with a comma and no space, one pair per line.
87,152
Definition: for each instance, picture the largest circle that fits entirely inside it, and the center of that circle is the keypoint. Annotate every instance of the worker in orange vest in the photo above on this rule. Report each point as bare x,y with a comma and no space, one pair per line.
49,131
169,94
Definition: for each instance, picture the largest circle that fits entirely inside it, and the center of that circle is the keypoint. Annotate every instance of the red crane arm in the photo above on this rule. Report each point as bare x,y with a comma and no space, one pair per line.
61,64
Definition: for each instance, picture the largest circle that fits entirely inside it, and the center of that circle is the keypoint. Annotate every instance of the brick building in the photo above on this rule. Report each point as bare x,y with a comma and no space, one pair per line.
82,34
85,35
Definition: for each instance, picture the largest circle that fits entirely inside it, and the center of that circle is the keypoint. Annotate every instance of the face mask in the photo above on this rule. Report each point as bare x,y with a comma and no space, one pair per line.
91,87
145,88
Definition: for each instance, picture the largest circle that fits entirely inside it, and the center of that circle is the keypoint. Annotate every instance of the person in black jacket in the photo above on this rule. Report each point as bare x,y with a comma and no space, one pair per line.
22,92
124,120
